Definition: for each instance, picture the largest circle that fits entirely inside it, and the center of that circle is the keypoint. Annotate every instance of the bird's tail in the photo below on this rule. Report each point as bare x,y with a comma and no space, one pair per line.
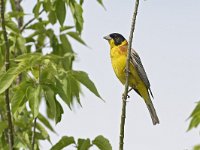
152,112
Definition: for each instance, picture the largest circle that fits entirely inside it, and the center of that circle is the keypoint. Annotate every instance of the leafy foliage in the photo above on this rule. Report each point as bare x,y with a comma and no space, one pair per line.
83,144
195,117
64,142
102,143
41,69
197,147
195,121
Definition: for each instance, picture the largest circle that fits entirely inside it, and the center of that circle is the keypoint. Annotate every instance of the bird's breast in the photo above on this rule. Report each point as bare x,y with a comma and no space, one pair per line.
119,64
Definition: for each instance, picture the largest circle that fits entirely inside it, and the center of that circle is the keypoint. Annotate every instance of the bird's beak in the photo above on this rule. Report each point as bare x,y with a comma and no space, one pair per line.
108,38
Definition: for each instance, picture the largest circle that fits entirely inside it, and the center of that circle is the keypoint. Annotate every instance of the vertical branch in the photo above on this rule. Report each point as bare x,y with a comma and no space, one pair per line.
125,94
7,62
33,135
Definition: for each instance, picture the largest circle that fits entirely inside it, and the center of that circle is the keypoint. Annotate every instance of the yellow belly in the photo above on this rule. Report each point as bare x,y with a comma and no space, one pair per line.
119,65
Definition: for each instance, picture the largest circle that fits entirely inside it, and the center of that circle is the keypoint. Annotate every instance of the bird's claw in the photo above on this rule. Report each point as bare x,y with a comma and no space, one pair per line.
127,71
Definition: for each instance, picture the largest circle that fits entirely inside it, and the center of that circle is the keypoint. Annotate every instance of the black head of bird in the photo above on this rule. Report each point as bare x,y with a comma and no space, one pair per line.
116,37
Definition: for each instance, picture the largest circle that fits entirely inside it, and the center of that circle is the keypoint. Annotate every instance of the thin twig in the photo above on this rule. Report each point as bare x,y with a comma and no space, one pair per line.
30,21
33,135
7,63
125,94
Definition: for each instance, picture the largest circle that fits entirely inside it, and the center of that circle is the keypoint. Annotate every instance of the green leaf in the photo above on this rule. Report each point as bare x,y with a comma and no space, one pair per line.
63,142
45,122
12,42
195,121
47,5
49,113
84,144
22,141
83,78
64,28
102,143
40,26
77,12
60,11
42,130
196,111
28,58
16,14
72,88
65,43
197,147
33,95
67,62
76,36
3,126
79,17
67,89
40,42
101,3
21,44
55,45
36,9
19,95
40,136
7,79
59,112
11,25
58,88
195,117
50,98
12,2
81,2
52,17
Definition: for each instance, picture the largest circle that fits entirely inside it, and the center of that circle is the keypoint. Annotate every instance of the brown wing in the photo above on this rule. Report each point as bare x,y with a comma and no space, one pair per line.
136,61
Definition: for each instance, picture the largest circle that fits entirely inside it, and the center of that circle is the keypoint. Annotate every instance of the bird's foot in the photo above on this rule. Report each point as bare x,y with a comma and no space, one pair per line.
127,71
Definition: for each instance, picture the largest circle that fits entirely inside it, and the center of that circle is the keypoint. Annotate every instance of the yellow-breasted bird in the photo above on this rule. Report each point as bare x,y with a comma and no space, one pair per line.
138,78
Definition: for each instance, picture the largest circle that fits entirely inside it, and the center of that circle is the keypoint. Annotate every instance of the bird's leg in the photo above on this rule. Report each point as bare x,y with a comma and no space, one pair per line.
123,95
127,71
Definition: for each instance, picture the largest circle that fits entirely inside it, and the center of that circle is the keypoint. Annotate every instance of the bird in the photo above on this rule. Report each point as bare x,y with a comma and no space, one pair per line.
138,80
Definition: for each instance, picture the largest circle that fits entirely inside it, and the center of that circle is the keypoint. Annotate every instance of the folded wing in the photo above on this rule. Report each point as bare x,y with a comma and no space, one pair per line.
136,62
